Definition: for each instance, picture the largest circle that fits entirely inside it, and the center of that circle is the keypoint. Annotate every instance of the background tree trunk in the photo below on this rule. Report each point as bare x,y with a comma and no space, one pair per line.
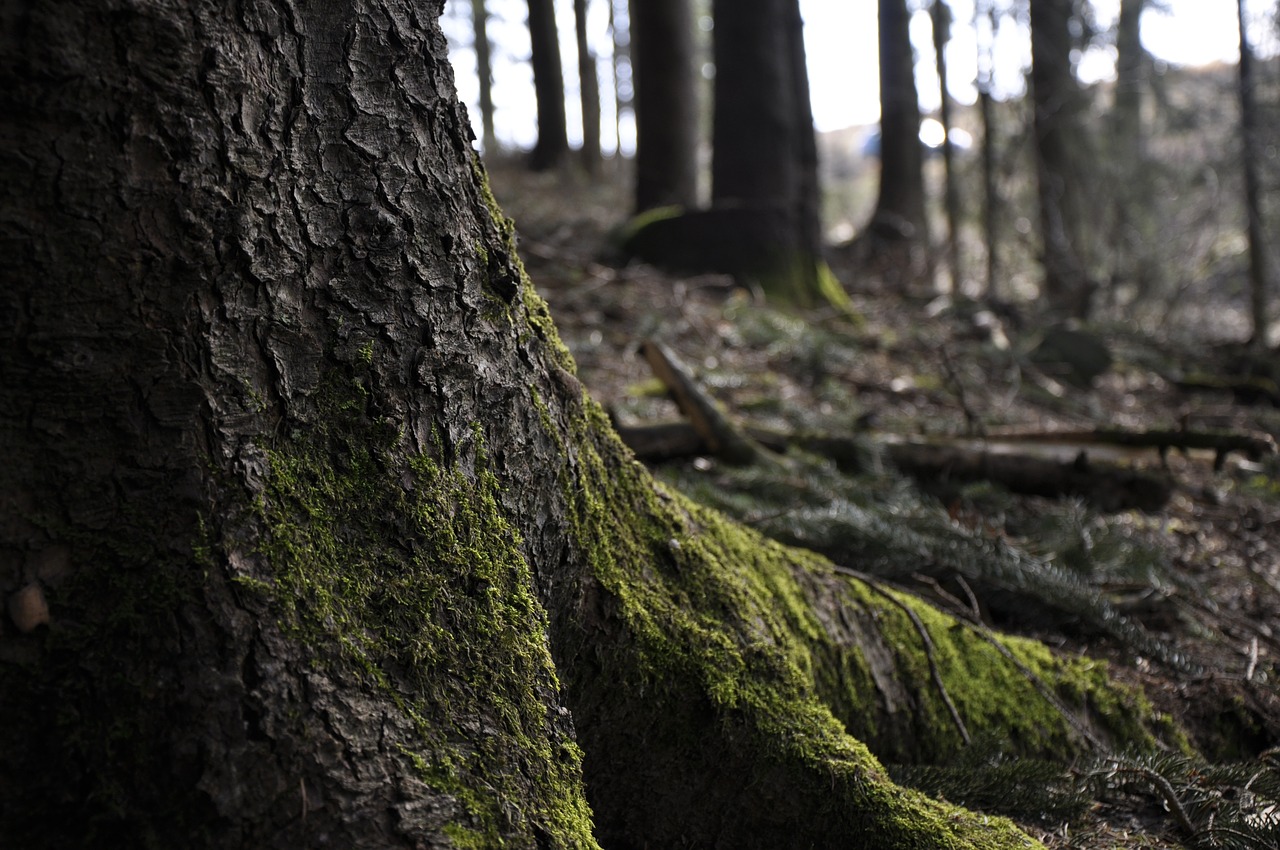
662,52
484,70
1249,132
548,82
764,154
1130,173
990,188
302,473
941,17
900,202
589,90
1068,288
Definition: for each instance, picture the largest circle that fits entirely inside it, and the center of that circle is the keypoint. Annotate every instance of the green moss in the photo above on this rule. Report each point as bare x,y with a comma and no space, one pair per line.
717,610
713,608
630,228
438,615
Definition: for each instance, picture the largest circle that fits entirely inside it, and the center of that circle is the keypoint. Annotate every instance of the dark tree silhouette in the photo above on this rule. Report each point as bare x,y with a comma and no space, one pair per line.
941,17
1068,287
900,207
589,90
1250,155
764,157
484,71
552,147
666,103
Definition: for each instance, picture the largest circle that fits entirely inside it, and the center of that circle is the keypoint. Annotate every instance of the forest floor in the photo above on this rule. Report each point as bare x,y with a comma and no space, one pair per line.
915,366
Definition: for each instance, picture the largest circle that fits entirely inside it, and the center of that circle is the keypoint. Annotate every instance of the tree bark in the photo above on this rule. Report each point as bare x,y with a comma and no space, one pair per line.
552,148
1068,288
666,102
311,536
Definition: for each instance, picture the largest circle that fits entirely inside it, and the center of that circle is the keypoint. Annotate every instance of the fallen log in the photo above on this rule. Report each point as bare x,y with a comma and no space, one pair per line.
1254,446
1108,487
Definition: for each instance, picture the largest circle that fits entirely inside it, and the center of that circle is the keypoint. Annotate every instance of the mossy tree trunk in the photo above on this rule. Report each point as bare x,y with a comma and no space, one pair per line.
309,534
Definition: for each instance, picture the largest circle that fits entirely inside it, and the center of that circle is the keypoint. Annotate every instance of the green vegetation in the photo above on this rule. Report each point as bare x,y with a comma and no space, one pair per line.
440,618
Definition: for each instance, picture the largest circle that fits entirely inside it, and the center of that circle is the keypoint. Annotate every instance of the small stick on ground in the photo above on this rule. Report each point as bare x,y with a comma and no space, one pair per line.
724,439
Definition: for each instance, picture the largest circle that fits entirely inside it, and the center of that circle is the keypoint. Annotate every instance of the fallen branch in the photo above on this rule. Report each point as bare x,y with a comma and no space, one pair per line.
719,435
1108,487
1254,446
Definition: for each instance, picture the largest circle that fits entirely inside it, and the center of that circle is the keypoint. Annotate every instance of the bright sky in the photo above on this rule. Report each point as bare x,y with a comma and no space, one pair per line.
840,41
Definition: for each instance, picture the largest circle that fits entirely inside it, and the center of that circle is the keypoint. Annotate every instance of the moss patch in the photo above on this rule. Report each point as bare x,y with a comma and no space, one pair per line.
439,617
715,614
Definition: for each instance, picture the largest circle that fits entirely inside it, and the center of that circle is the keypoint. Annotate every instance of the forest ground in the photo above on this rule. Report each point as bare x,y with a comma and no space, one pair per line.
916,364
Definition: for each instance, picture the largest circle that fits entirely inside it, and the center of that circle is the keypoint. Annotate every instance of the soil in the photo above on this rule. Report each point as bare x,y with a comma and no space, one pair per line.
921,363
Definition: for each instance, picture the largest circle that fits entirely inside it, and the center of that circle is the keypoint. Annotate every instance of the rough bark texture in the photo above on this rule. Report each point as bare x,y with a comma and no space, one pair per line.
548,82
666,102
256,305
1068,287
297,462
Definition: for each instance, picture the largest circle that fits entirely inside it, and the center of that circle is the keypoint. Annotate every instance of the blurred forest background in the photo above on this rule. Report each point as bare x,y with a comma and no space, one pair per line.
1008,343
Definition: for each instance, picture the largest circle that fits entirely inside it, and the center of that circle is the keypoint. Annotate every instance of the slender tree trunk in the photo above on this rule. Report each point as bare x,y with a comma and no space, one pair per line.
990,189
1068,288
484,70
662,52
941,15
589,85
623,90
1127,164
1258,274
310,536
900,204
548,81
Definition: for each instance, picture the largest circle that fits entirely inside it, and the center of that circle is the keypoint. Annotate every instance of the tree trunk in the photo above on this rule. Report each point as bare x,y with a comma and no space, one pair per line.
662,52
941,17
484,70
1250,157
301,499
894,246
589,91
548,82
764,153
1130,183
990,189
1068,288
623,89
901,198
